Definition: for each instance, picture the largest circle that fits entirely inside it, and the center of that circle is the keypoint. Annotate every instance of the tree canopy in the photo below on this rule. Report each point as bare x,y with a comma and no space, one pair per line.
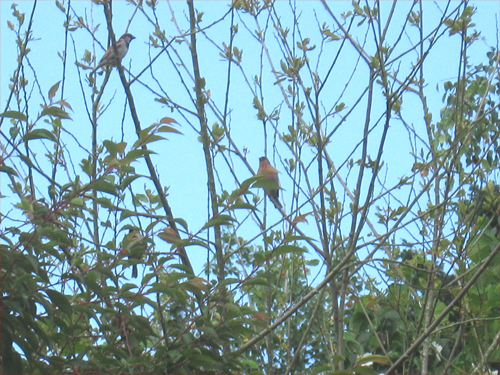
136,233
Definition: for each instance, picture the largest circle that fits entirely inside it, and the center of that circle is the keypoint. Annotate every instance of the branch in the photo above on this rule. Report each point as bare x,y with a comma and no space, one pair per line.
445,312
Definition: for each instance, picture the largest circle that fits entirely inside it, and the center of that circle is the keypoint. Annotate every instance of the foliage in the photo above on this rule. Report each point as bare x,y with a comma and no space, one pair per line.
383,258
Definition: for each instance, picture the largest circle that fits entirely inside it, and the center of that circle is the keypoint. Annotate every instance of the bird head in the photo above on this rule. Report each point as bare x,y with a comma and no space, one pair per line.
127,38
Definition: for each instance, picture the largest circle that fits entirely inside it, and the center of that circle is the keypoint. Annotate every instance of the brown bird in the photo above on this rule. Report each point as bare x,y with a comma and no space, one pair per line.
109,58
38,212
135,244
271,174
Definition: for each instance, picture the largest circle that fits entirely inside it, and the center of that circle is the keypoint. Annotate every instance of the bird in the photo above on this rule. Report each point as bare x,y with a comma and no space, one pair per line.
38,212
109,58
135,245
271,173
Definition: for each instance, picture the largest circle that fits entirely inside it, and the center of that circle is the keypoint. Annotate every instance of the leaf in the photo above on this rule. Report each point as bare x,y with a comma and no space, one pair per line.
13,131
127,213
182,222
147,139
322,368
168,129
111,147
229,281
187,242
262,182
168,120
256,281
242,205
220,220
357,8
383,360
8,170
136,154
78,201
194,285
14,114
312,262
53,90
64,103
342,372
60,300
128,180
169,235
362,370
26,159
285,249
56,112
292,238
246,184
300,219
104,186
39,134
105,202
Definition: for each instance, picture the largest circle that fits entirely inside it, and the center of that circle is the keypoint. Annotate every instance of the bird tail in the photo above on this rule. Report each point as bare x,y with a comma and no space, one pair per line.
134,271
276,202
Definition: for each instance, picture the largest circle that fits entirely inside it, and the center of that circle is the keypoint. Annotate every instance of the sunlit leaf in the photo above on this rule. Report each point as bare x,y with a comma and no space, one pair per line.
224,220
56,112
39,134
8,170
53,90
15,115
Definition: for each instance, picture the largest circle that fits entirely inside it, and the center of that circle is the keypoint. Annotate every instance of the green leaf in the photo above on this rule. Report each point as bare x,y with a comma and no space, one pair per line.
256,281
56,112
13,131
242,205
250,363
78,201
168,129
342,372
127,213
262,182
285,249
364,370
312,262
8,170
246,184
26,159
14,114
105,202
183,223
111,147
220,220
321,369
148,139
293,238
39,134
128,180
136,154
104,186
60,300
229,281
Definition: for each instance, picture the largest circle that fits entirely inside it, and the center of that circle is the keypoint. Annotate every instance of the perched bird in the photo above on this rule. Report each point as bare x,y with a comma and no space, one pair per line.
271,174
135,244
109,58
38,212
